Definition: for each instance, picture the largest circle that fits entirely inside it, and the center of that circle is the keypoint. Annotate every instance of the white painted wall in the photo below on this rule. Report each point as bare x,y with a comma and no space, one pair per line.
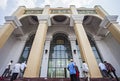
44,65
109,49
11,51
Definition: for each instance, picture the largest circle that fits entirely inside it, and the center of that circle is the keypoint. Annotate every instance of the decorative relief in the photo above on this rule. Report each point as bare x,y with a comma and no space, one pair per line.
33,11
61,11
86,11
78,17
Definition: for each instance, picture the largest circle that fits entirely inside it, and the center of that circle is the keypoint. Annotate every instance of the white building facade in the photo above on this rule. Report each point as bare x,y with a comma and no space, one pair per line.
47,38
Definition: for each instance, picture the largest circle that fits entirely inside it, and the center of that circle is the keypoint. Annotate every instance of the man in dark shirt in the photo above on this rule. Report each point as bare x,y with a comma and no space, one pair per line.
7,69
110,70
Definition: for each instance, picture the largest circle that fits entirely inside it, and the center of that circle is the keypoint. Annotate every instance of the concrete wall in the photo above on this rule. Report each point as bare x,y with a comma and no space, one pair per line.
109,49
11,51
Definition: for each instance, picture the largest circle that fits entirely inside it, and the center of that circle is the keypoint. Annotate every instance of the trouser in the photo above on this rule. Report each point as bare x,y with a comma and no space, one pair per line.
21,74
6,72
104,73
73,77
77,78
86,75
14,76
113,74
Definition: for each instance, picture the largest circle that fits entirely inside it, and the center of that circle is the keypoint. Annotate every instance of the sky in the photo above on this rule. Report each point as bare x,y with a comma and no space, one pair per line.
7,7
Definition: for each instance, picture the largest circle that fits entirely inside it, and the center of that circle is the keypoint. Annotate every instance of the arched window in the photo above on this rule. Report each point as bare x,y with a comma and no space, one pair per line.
26,50
94,49
60,54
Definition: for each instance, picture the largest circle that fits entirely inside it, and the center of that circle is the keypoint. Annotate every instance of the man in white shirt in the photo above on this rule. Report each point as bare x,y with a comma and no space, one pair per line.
16,71
23,66
7,70
103,69
85,70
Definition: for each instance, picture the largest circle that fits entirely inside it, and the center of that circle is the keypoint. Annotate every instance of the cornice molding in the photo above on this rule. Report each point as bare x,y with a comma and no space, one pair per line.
108,20
14,19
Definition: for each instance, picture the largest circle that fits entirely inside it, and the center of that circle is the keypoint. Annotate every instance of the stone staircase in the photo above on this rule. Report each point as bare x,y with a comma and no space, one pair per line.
58,79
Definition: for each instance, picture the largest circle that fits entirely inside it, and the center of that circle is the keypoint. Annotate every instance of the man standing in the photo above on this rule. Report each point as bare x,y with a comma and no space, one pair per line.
110,70
85,70
103,69
7,70
23,66
71,68
16,71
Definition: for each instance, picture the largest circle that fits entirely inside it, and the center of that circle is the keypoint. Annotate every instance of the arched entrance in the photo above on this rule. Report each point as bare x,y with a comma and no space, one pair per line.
29,27
60,54
26,50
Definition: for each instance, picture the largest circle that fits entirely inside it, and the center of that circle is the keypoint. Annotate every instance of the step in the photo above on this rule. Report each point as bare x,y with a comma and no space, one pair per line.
64,79
57,79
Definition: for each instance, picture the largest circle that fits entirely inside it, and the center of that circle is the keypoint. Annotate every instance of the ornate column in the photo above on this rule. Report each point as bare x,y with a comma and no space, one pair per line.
35,56
74,52
85,48
100,11
110,23
36,53
11,23
8,28
19,12
44,65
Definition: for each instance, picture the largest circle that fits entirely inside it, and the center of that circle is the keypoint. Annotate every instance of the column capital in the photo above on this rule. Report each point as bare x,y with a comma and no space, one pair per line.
14,19
43,18
78,19
72,38
48,38
108,20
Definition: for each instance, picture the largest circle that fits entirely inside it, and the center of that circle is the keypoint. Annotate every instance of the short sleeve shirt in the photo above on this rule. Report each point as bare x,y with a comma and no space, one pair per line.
16,68
9,64
23,65
85,67
102,66
71,67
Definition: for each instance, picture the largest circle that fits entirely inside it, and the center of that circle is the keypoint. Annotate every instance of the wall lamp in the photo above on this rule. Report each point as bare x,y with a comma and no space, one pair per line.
74,51
46,51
